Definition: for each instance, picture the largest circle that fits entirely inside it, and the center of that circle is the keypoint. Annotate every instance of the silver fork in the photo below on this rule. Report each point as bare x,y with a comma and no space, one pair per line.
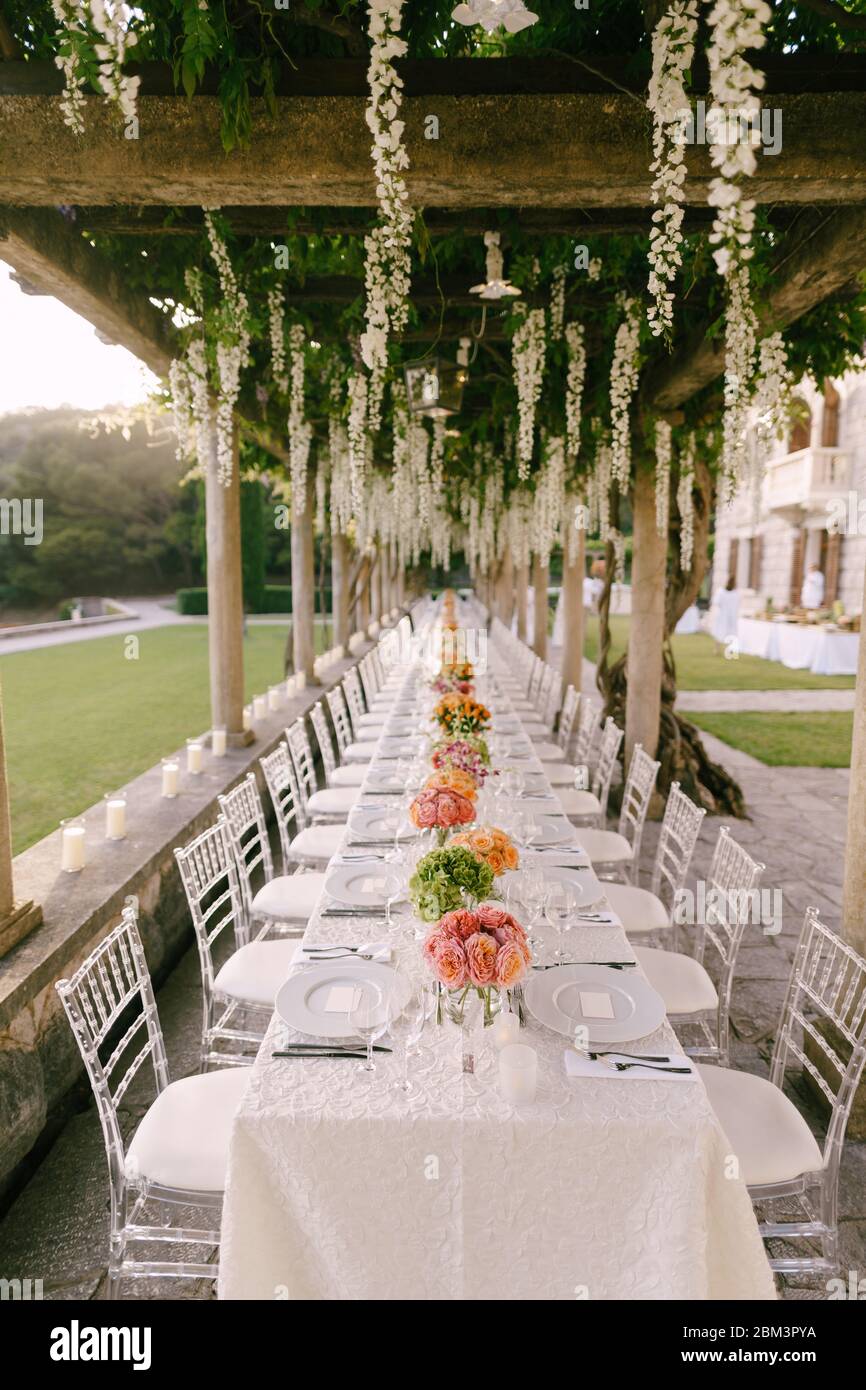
642,1066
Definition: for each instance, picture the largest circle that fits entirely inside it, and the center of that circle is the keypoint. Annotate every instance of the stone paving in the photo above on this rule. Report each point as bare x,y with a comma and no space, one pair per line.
57,1228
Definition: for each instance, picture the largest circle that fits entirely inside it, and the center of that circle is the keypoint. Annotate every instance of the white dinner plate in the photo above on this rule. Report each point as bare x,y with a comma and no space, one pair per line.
553,830
384,778
378,825
360,885
316,999
614,1006
583,881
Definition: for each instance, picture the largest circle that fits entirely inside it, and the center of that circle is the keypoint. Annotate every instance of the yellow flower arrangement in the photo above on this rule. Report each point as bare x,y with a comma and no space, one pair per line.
460,714
491,845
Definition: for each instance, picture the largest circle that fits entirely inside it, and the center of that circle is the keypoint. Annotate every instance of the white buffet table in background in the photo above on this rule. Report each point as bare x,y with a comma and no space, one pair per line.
800,646
341,1187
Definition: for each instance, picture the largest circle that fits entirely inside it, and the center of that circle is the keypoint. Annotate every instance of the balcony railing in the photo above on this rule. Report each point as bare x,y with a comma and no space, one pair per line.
808,478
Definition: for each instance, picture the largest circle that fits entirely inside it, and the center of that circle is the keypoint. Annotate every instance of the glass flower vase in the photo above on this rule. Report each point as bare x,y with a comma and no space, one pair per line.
472,1008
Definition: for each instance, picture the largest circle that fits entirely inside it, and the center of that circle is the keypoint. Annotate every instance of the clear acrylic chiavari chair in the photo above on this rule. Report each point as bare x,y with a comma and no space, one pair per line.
288,898
650,912
617,852
353,774
328,804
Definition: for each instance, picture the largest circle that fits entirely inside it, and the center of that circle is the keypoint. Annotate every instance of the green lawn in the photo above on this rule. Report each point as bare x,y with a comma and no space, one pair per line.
81,719
820,739
700,666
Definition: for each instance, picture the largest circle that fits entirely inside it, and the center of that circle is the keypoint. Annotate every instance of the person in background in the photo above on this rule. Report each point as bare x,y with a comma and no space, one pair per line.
812,592
726,609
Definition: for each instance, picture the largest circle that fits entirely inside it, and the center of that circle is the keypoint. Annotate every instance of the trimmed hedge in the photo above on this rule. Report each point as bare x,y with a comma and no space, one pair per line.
276,598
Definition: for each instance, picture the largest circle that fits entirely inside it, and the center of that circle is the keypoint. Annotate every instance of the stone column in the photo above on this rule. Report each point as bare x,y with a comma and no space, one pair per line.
854,887
340,565
540,578
505,588
573,614
521,587
16,919
364,596
303,587
647,627
225,597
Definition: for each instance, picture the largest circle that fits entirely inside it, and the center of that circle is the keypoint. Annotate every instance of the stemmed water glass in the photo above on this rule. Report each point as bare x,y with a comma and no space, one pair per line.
525,890
560,903
368,1017
406,1023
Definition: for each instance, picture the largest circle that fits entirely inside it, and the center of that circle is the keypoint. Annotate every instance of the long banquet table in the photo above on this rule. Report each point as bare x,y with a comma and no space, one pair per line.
800,646
340,1187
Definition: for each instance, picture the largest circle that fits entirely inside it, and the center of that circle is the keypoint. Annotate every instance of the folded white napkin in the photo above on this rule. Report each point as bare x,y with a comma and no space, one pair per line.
379,950
575,1065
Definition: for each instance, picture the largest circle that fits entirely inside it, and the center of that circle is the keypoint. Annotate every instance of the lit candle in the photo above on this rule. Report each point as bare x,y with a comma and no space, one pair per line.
301,680
248,717
505,1030
170,776
72,856
290,687
518,1073
274,697
218,743
115,816
260,706
194,756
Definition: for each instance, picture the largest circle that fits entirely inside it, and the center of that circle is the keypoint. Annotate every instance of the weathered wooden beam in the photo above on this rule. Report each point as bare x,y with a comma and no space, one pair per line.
542,150
54,259
823,261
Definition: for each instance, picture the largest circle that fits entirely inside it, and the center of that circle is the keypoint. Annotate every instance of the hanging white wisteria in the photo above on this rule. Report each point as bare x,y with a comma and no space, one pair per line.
773,391
527,357
300,432
200,401
340,475
517,527
181,405
232,347
733,123
740,336
388,261
617,540
358,444
549,501
557,303
602,488
437,456
686,505
276,327
321,493
111,20
673,48
664,454
623,384
576,375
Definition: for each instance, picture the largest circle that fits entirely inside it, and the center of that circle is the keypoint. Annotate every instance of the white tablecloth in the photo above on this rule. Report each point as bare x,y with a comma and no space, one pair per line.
340,1187
800,646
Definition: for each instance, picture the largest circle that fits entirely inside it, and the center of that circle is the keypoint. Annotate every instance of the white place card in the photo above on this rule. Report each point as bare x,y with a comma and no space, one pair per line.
373,885
341,999
596,1005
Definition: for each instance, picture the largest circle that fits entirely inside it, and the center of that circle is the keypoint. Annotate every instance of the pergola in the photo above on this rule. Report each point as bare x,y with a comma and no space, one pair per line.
551,145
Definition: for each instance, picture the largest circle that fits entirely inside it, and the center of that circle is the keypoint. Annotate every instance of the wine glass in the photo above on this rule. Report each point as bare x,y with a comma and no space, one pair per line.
560,903
406,1023
532,893
368,1018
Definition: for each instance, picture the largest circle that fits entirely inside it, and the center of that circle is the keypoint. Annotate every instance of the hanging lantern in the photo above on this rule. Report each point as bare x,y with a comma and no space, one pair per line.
434,387
495,286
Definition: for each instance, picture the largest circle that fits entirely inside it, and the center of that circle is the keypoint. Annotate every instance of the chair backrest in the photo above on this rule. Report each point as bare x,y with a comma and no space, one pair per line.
568,714
111,985
247,832
732,901
610,745
368,679
323,738
535,679
302,758
825,1003
552,699
282,784
354,698
642,773
209,874
677,839
340,716
587,728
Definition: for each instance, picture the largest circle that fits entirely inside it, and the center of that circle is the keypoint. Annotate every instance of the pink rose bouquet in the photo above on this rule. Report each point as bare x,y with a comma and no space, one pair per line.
441,808
485,950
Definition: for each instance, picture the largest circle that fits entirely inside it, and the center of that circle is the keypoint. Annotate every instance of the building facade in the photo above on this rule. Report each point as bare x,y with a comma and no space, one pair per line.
808,510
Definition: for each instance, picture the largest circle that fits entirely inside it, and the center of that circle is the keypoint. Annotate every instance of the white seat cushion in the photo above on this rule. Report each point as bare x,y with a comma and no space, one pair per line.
333,801
359,752
183,1140
289,898
578,803
351,776
638,909
255,972
318,842
548,752
682,981
370,721
560,774
766,1132
605,846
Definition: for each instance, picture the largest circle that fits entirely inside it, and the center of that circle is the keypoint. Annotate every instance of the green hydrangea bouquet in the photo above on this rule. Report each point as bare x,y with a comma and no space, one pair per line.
446,879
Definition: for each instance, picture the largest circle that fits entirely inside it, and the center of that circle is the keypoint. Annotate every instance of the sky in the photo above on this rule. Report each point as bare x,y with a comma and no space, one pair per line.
50,356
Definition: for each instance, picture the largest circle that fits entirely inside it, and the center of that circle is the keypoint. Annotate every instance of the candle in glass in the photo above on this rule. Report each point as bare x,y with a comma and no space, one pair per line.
505,1030
218,742
248,717
194,756
72,853
115,816
301,680
518,1073
260,706
170,776
290,687
275,698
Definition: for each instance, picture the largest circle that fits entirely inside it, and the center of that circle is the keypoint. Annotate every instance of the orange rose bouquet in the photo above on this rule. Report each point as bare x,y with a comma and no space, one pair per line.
439,808
456,780
490,845
460,714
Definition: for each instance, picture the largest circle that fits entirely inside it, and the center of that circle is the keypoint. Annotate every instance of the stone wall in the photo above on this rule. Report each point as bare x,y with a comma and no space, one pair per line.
40,1064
